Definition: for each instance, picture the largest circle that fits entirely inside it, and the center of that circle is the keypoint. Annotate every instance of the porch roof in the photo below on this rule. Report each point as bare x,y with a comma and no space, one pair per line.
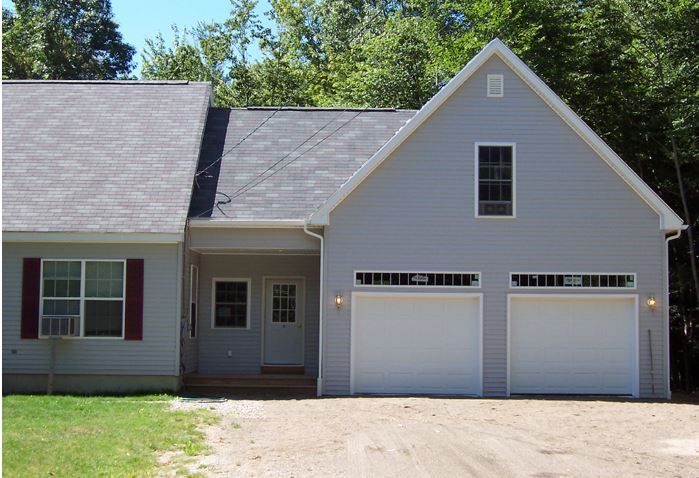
283,163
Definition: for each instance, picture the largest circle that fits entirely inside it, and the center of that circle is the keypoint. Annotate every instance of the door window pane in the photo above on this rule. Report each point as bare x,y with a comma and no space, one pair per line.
284,303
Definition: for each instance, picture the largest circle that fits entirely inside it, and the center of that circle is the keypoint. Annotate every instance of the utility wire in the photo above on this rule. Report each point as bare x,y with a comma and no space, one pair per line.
276,163
228,198
199,173
260,178
245,188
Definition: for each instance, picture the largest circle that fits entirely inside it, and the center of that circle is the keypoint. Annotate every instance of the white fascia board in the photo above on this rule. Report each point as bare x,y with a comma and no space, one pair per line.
236,223
93,237
669,220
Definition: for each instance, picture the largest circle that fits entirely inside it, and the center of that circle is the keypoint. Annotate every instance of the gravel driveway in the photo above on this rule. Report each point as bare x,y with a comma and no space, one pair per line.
443,437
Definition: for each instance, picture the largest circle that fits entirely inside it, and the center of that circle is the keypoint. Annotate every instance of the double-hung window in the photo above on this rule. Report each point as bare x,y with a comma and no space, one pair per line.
231,301
82,298
495,180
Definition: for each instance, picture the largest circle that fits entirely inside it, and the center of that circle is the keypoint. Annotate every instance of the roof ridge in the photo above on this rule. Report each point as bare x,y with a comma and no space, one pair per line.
313,108
106,82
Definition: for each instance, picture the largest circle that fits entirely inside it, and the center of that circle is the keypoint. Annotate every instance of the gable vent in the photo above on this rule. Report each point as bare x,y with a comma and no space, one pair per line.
496,86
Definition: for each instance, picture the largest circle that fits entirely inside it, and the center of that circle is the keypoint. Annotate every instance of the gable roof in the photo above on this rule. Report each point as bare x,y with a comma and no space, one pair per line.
100,156
669,220
281,164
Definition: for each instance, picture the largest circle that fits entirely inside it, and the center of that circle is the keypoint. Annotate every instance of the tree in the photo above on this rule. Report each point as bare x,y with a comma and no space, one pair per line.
214,52
68,40
392,69
666,42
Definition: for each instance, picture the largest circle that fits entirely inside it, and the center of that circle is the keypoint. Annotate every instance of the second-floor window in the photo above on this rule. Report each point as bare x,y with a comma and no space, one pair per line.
495,180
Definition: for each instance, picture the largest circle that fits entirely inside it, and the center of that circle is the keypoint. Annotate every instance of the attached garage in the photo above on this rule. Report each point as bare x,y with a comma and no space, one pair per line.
573,344
416,343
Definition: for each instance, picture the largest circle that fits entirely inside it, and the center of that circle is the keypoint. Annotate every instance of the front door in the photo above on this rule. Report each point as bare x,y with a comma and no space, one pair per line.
284,318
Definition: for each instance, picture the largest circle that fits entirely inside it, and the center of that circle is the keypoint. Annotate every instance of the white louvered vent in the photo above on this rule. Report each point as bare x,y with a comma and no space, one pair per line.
496,86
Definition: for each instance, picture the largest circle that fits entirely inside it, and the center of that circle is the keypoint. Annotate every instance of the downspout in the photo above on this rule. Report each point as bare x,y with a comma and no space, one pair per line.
178,330
666,308
319,383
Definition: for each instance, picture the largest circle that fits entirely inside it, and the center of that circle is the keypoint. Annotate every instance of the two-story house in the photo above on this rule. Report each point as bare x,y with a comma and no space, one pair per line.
488,244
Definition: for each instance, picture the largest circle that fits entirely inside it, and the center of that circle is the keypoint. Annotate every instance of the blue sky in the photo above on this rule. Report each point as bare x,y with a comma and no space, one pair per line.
142,19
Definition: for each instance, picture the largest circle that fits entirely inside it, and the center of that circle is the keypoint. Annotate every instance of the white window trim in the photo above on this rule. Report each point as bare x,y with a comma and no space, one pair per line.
574,288
193,299
487,85
214,281
82,299
476,179
449,287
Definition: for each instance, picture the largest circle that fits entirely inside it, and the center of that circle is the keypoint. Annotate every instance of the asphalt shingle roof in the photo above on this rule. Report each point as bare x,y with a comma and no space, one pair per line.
100,156
287,167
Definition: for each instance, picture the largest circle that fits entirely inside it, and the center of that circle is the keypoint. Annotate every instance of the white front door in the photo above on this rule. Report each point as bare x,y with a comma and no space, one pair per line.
284,319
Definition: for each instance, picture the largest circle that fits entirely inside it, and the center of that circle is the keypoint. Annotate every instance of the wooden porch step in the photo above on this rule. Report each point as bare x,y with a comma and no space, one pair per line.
282,384
282,369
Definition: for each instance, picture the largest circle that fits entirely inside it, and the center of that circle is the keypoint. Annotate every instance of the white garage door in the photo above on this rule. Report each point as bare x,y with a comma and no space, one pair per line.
573,345
406,343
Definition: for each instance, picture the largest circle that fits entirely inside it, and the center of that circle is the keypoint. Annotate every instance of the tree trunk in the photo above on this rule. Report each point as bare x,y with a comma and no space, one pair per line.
687,218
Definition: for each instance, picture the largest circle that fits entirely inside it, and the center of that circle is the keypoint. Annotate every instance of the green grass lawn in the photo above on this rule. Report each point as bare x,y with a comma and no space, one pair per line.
94,436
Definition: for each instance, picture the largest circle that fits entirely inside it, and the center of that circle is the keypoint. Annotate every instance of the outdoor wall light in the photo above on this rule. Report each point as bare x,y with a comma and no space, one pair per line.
651,302
339,300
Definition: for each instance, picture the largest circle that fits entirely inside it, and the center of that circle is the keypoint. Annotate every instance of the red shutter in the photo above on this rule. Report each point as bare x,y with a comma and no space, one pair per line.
134,300
31,287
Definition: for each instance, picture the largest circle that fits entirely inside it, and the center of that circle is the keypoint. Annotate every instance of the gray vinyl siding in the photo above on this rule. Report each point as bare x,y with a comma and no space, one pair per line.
246,345
416,212
252,239
190,346
156,354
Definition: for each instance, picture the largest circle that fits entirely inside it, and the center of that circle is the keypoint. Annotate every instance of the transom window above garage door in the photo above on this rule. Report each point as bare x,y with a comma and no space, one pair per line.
417,279
583,280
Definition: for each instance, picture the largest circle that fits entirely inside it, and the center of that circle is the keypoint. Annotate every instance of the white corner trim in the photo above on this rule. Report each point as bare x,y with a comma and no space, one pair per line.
669,220
252,223
94,237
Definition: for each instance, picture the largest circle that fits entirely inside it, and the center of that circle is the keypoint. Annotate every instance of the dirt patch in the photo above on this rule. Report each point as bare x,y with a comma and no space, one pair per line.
400,437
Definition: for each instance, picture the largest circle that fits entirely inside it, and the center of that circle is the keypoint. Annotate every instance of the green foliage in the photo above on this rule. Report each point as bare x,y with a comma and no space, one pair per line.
392,69
55,39
94,436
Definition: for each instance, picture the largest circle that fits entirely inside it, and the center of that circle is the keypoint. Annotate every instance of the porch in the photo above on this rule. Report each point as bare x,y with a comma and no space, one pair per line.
246,384
253,313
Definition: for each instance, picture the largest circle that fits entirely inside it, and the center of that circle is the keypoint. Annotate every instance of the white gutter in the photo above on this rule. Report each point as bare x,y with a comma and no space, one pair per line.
240,223
178,295
666,307
319,383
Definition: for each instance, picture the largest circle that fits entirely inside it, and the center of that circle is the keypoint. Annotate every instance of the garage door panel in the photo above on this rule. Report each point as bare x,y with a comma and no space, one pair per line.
416,344
572,345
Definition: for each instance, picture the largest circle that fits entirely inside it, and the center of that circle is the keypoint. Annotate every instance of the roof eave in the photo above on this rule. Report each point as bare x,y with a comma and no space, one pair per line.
246,223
